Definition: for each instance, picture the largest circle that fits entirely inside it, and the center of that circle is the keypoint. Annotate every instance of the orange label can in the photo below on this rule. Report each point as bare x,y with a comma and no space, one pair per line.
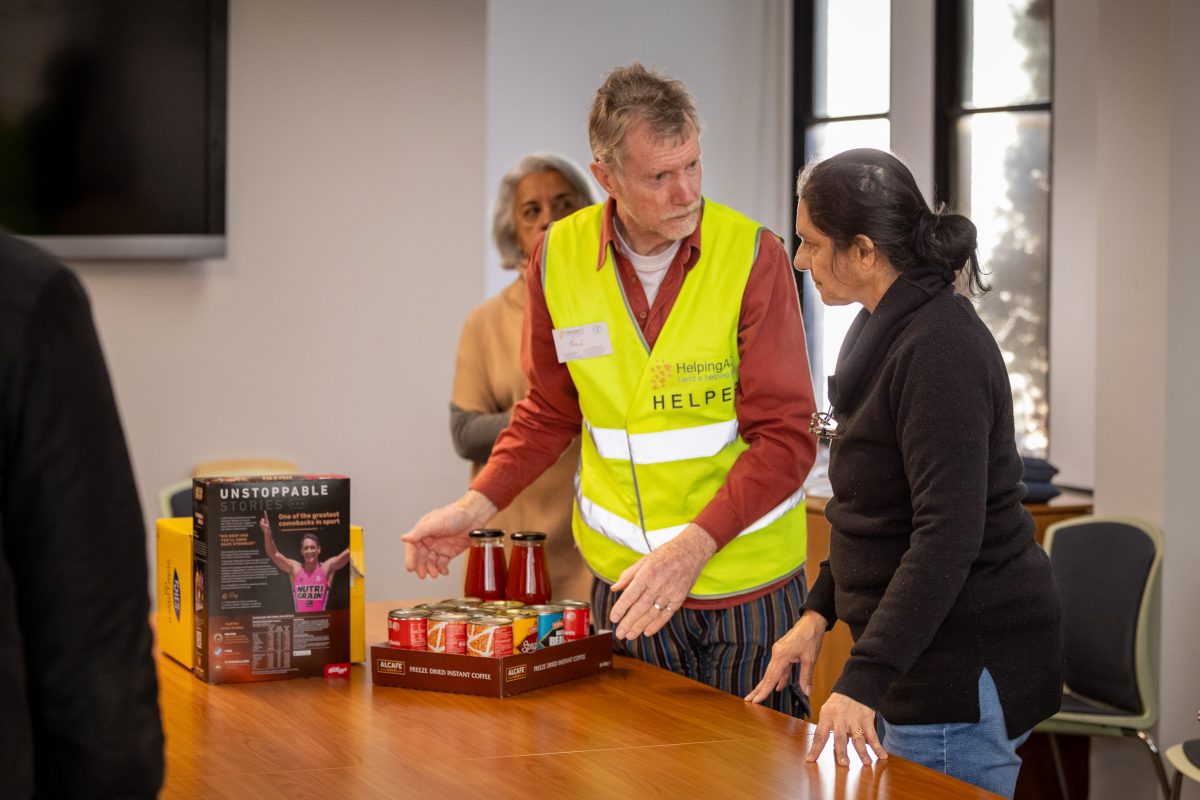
447,632
489,637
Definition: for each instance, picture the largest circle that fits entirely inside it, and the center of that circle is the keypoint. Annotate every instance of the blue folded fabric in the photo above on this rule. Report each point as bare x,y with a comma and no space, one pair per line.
1040,491
1038,470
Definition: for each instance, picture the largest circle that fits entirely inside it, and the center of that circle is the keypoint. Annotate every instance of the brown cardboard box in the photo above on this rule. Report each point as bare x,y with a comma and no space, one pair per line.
493,677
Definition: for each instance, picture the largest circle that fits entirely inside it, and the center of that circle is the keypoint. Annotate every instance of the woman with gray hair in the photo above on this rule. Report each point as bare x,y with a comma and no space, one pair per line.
488,380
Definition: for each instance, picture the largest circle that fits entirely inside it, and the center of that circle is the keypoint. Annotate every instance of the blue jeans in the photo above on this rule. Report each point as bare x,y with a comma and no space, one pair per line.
979,753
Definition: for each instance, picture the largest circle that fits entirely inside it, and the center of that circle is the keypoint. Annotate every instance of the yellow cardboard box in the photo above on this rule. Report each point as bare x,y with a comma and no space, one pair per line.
176,589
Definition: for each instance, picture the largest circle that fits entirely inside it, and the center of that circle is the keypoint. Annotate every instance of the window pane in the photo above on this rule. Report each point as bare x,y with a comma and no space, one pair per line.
830,138
1003,185
1006,52
851,57
831,322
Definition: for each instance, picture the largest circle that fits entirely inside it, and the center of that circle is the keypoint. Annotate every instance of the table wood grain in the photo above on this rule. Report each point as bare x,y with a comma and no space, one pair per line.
634,731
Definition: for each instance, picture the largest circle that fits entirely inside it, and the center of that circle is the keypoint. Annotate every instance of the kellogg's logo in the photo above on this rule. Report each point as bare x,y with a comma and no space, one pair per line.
337,670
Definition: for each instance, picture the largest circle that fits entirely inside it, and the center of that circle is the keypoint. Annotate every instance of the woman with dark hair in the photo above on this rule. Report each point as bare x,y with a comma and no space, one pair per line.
932,559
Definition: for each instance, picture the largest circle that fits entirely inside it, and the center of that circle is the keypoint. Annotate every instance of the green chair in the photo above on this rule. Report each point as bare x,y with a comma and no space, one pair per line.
1185,758
1107,569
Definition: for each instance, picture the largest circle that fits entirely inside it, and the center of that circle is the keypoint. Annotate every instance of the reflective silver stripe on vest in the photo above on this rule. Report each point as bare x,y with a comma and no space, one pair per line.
628,534
700,441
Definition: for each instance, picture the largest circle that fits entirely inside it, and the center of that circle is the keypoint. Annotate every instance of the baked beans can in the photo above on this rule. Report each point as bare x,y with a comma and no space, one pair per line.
525,626
407,628
577,619
501,605
489,637
447,632
550,625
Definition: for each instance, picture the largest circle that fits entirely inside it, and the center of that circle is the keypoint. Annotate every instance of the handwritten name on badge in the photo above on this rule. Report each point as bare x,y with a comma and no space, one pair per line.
584,341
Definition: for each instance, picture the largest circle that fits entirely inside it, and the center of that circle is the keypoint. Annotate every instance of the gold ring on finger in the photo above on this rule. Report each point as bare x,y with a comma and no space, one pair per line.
858,733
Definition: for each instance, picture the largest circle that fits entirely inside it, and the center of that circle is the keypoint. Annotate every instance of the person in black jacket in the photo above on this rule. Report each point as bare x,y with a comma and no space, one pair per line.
78,691
932,562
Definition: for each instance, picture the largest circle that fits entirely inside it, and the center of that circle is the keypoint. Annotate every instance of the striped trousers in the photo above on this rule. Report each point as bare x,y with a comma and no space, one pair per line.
726,648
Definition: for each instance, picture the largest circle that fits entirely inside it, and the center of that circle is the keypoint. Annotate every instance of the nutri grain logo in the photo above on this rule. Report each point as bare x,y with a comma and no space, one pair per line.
390,666
516,673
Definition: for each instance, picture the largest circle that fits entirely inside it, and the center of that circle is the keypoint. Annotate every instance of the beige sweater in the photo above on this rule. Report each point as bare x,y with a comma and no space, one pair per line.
487,380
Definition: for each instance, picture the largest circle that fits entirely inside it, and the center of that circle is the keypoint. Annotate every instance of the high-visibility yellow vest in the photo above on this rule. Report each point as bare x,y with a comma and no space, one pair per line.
660,432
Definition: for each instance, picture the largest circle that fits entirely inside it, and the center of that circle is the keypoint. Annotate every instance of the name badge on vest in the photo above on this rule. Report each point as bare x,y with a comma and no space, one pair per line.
584,341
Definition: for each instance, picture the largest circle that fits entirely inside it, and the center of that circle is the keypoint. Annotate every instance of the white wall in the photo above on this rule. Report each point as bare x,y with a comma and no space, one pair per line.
1073,244
327,335
1181,589
1131,179
1125,279
546,59
366,141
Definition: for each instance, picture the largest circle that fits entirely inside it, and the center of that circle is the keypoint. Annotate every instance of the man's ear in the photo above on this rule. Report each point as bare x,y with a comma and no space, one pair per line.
605,176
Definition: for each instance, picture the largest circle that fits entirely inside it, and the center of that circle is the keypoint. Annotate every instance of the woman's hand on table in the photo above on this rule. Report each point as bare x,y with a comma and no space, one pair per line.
847,721
800,645
655,586
441,534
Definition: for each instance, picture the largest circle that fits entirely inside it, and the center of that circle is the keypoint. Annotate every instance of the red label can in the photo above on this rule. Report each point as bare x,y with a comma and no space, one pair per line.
577,619
407,628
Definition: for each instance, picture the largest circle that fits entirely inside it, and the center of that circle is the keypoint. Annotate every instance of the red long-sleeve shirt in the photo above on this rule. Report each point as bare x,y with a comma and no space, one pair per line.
773,399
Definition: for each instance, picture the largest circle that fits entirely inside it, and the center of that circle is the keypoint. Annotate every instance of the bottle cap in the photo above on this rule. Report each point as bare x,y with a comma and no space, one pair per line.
487,533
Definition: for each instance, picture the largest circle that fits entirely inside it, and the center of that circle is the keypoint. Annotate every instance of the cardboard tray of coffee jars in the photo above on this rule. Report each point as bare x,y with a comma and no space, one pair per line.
491,677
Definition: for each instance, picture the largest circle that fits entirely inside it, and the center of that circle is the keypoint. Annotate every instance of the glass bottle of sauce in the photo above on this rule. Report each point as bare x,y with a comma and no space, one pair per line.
528,578
485,565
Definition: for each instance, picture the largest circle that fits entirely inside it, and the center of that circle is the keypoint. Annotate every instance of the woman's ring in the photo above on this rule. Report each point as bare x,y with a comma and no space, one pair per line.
858,733
657,607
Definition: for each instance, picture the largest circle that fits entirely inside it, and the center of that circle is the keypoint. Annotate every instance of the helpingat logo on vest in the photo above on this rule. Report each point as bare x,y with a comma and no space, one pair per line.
669,382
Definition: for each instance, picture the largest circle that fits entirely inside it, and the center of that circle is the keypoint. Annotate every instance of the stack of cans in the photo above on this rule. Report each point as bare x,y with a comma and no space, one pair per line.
493,629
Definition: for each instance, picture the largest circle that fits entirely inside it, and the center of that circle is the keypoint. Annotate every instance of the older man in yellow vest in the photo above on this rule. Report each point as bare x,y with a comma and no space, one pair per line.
664,330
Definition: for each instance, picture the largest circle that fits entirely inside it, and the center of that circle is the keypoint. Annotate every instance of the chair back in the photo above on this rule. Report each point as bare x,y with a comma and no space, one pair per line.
1107,571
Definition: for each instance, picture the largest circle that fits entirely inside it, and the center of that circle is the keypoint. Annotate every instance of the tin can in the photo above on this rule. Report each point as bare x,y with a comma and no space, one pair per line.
489,636
407,628
435,608
462,601
524,625
492,606
447,632
550,624
577,619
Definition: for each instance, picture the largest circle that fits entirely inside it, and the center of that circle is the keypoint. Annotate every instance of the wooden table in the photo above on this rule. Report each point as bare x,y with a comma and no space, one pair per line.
633,732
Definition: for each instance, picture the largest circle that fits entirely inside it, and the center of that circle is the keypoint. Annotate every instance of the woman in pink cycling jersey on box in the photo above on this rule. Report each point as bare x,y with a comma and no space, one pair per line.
310,580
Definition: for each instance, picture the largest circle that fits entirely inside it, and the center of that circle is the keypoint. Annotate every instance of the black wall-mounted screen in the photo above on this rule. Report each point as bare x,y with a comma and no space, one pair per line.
112,126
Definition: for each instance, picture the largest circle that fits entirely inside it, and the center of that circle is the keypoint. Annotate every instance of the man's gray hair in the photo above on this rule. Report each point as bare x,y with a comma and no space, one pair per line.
635,93
504,230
